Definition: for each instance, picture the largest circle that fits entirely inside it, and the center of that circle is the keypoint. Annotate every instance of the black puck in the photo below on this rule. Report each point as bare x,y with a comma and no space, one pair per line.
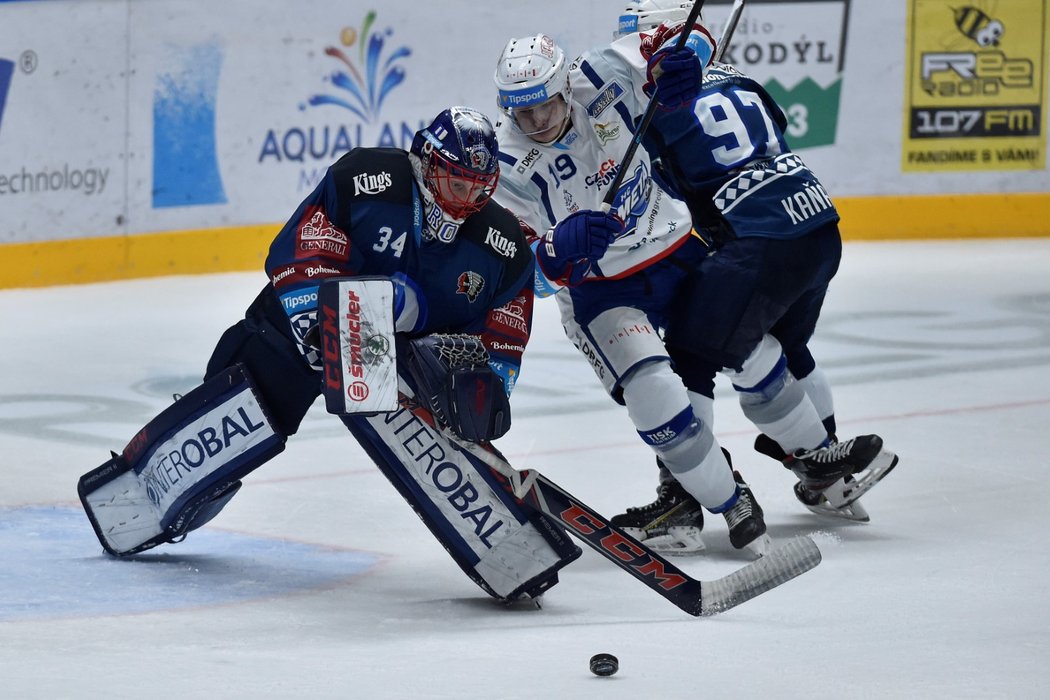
604,664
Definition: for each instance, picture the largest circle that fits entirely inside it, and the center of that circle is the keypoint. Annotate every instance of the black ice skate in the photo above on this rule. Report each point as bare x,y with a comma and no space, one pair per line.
670,525
747,526
833,478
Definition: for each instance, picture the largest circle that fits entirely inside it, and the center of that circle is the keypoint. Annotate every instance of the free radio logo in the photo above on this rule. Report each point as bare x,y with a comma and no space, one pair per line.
975,98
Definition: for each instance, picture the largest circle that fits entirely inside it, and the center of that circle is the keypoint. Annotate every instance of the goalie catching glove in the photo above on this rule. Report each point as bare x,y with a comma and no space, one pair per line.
455,383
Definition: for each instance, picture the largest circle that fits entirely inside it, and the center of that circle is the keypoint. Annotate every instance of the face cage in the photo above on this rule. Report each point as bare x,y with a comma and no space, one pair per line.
441,171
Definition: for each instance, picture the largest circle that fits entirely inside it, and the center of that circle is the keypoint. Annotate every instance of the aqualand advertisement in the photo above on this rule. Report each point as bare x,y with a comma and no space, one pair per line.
177,135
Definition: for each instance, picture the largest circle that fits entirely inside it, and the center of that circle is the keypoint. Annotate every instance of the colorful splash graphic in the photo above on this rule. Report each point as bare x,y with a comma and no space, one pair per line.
363,85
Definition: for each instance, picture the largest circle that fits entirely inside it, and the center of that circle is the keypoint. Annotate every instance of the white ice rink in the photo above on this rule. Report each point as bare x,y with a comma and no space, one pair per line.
319,582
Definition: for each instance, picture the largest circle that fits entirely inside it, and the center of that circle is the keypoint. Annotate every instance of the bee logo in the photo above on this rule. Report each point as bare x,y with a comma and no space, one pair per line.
978,26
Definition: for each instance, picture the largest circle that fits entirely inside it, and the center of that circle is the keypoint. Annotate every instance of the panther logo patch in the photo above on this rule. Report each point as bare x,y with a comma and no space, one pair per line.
470,284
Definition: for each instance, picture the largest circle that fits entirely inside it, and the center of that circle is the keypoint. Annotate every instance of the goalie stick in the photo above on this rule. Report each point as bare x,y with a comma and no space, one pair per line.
696,597
647,118
727,33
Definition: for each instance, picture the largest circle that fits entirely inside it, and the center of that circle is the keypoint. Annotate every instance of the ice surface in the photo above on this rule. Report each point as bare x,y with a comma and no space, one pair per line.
319,582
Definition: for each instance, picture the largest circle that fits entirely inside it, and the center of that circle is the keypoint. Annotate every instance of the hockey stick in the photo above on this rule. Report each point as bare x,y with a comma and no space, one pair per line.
727,33
647,117
696,597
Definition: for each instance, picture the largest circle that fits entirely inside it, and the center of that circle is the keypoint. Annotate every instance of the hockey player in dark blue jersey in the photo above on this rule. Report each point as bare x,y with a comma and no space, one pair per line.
718,141
439,280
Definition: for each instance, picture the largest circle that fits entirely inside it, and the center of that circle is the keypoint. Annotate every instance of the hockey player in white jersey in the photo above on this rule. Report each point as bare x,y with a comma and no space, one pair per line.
562,140
549,136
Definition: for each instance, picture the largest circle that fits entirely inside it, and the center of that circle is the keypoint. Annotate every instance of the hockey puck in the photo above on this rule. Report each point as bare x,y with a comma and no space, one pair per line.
604,664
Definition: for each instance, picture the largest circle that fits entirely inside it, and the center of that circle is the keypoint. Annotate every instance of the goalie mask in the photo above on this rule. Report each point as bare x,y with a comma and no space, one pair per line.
455,163
532,76
647,15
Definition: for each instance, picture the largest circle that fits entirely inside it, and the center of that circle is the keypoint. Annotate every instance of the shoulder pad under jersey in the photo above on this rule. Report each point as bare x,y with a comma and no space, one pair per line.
497,231
374,173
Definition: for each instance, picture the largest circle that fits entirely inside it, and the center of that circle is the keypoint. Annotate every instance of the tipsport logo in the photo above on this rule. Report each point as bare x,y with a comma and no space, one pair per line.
7,69
363,85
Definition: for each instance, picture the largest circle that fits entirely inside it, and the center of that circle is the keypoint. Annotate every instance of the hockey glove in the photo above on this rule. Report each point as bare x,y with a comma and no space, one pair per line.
567,250
455,383
674,76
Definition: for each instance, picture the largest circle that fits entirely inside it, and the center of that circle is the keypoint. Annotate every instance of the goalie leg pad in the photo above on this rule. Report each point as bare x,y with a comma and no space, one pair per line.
183,467
509,550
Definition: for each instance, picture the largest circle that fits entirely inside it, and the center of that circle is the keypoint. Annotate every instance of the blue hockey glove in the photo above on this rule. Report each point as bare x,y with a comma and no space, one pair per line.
567,250
676,74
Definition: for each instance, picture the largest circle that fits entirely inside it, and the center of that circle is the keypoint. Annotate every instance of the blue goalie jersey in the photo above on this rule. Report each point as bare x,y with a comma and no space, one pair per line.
365,218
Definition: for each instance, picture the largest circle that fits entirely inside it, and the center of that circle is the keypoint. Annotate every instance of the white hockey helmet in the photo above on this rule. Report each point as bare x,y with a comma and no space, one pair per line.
646,15
532,77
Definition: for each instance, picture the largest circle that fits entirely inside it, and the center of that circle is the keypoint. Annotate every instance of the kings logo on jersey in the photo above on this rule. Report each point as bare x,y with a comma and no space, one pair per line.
500,243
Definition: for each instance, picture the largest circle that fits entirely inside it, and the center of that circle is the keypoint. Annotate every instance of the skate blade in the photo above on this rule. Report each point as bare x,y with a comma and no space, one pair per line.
842,493
854,511
680,540
760,546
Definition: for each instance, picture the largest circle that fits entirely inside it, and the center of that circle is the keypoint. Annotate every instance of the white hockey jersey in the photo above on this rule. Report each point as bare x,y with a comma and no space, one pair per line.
544,183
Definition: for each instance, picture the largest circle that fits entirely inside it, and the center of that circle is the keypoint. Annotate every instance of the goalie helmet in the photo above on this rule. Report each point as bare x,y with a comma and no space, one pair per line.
647,15
457,167
532,77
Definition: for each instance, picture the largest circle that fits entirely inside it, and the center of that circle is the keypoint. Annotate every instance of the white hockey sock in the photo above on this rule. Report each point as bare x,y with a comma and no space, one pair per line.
775,402
661,411
817,388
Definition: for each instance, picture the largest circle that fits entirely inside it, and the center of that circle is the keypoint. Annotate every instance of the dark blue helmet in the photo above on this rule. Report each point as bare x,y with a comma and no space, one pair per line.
458,153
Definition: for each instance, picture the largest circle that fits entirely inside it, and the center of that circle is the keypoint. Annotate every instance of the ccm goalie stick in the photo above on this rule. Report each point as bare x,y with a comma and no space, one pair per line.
696,597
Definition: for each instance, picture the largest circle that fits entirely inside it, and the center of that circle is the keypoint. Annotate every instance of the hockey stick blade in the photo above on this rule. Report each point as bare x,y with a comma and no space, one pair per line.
779,565
696,597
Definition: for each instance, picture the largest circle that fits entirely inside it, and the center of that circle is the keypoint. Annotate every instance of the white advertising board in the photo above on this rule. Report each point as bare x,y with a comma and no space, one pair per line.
122,117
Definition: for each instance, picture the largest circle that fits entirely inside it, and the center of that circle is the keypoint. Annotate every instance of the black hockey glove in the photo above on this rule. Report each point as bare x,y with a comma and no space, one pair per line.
455,383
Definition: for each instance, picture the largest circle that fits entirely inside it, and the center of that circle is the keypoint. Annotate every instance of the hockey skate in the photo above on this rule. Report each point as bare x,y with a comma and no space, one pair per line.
670,525
747,525
833,478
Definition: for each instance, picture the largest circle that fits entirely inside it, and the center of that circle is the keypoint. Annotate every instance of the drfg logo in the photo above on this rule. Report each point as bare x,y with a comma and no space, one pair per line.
7,69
